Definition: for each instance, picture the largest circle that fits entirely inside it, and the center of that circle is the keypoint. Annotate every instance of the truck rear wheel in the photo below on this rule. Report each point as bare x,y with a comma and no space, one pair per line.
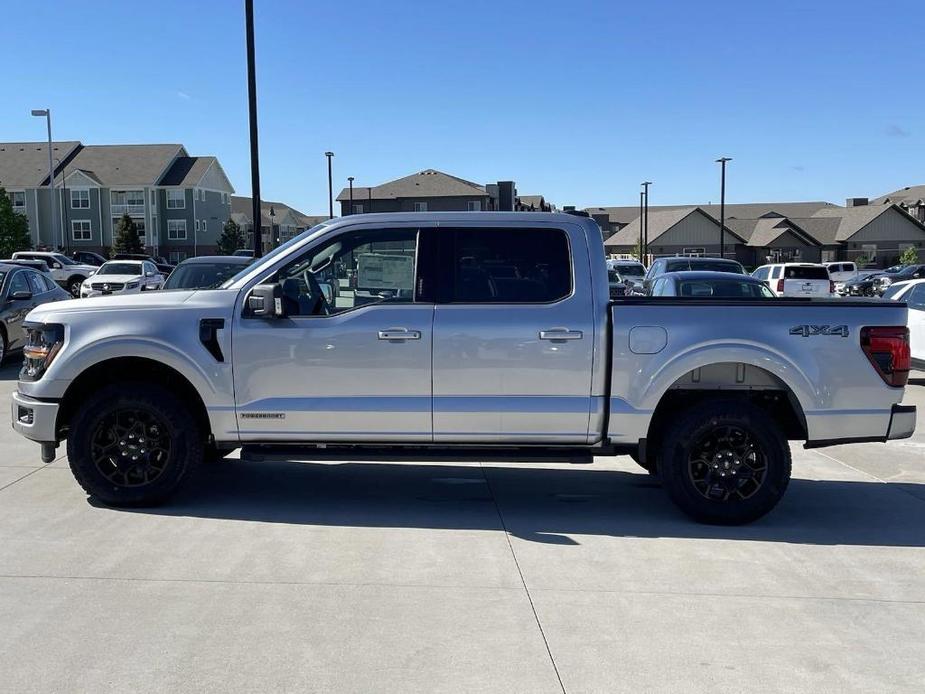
133,444
725,462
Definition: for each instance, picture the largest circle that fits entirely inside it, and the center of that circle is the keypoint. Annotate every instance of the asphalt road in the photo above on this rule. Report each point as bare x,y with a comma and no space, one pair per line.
463,578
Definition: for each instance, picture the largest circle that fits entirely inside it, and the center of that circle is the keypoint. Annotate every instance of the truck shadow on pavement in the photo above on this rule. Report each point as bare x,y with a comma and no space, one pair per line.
11,366
539,504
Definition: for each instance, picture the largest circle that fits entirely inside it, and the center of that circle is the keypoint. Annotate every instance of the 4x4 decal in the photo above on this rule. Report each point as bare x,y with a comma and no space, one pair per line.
811,330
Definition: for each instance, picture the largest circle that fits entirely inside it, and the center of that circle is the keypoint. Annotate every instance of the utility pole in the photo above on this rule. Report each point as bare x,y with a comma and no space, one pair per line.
641,256
722,206
350,181
252,116
330,155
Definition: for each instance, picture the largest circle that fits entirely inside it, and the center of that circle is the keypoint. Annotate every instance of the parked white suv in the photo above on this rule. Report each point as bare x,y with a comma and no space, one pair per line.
796,279
123,277
841,271
66,272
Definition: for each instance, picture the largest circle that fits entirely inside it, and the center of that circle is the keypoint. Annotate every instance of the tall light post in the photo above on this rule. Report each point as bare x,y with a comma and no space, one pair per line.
641,196
252,118
645,217
330,155
65,203
46,114
350,181
722,206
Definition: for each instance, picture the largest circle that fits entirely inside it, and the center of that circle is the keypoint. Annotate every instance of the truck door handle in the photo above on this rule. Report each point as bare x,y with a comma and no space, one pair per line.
560,334
399,334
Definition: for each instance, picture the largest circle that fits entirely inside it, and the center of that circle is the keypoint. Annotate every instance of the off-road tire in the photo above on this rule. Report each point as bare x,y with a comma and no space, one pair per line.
686,436
183,436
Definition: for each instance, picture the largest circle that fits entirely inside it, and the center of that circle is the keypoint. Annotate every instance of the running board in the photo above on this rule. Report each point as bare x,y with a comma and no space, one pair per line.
423,454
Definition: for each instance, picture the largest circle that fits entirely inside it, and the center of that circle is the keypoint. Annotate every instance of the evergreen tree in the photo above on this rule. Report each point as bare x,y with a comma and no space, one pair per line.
910,256
127,239
232,238
14,228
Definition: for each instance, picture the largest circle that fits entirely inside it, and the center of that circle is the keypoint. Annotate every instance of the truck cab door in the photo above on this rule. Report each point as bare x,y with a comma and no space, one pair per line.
513,336
350,364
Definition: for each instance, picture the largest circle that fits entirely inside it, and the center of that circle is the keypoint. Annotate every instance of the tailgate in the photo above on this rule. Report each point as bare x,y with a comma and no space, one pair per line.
804,287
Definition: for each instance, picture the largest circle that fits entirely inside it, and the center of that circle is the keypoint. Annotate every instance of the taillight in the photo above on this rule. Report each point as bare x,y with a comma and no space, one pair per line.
887,349
831,286
780,286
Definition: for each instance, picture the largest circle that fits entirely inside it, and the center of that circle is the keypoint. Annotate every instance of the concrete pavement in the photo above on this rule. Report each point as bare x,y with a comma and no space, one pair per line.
459,577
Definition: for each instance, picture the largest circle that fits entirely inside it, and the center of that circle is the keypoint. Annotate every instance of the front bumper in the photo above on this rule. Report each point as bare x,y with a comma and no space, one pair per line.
902,422
35,419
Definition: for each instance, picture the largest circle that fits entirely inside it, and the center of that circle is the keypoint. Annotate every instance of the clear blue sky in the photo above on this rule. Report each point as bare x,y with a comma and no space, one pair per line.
578,100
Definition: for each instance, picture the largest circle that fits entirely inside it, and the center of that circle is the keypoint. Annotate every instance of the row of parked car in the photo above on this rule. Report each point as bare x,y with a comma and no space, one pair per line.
32,278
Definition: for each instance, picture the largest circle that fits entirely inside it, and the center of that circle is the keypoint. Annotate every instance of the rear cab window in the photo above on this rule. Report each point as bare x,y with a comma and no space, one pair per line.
504,266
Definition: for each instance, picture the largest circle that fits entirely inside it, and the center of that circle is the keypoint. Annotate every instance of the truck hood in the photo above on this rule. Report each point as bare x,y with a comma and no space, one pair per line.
113,303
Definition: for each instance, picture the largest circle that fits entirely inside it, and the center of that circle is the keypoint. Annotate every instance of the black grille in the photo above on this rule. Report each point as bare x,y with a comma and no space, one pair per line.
107,286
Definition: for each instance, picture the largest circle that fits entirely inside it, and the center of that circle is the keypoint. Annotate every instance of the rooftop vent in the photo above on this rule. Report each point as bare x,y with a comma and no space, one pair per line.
856,202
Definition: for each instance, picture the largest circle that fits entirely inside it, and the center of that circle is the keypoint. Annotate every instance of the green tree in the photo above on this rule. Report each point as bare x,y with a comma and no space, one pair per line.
127,239
910,256
14,228
232,238
637,251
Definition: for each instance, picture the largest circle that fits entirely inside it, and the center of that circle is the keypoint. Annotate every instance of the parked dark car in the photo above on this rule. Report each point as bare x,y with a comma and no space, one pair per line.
909,272
681,263
39,265
710,285
864,285
88,258
244,253
21,290
206,271
163,266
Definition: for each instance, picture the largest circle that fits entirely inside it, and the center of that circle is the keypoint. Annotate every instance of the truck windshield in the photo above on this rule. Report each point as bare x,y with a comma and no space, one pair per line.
275,253
725,289
630,270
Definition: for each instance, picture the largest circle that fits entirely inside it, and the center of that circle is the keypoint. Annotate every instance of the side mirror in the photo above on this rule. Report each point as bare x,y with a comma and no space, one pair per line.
266,301
56,266
149,274
22,295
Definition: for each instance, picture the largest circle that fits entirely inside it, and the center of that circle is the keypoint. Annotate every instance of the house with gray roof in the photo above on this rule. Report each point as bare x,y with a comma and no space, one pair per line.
279,222
910,198
677,231
435,191
178,202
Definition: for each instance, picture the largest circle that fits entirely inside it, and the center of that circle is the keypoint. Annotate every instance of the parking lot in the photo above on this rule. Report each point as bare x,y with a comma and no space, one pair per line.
361,577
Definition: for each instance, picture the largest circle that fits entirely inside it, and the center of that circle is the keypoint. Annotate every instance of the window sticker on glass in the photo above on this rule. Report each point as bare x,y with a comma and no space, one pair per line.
380,271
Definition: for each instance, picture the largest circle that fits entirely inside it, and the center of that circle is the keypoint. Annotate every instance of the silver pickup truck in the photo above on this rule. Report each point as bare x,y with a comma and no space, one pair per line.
460,336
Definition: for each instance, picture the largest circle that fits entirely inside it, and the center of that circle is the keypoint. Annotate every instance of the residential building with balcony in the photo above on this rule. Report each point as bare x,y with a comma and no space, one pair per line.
279,222
178,202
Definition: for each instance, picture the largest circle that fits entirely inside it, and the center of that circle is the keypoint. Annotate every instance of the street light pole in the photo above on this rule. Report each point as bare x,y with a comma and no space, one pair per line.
330,155
65,203
645,217
641,195
722,206
46,113
350,181
252,117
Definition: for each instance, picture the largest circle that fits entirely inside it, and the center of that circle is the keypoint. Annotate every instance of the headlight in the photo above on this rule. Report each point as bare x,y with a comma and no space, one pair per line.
43,344
132,285
885,281
91,272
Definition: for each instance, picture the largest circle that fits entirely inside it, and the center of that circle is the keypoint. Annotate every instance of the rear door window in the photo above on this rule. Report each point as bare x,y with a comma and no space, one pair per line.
505,266
799,272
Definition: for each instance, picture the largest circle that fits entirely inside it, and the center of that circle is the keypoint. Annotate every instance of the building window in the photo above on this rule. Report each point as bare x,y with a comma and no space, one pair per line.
474,206
420,207
18,198
357,208
176,229
205,225
81,230
176,200
202,195
197,225
176,256
80,199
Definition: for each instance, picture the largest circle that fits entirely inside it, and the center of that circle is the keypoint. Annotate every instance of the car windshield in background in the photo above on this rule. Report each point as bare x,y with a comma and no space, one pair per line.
120,269
809,272
631,270
706,266
725,289
201,275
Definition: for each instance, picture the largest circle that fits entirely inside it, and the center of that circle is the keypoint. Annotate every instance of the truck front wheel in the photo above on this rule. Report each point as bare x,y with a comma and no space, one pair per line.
133,444
725,462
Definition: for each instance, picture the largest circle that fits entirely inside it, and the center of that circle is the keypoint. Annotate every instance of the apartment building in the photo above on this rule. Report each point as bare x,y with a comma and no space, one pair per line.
178,202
